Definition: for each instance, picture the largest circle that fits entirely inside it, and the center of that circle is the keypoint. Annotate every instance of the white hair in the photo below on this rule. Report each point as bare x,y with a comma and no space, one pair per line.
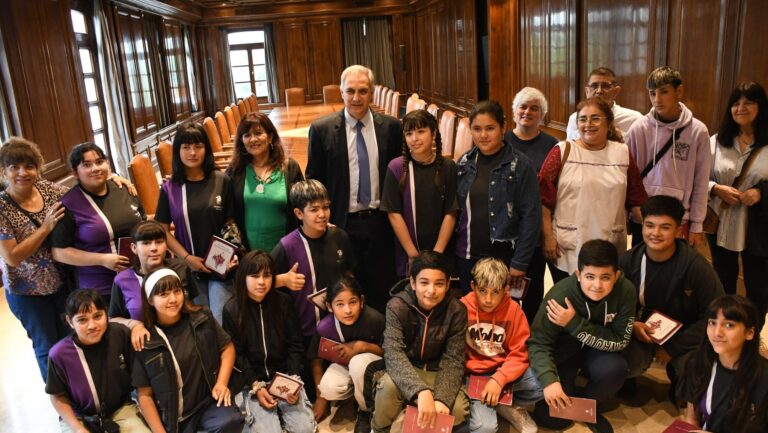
357,69
531,94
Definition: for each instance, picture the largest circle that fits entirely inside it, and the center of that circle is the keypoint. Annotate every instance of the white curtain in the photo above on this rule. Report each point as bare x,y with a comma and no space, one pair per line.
119,139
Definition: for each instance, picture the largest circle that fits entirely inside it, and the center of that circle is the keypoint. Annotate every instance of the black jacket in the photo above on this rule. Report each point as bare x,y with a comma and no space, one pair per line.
689,290
272,343
328,160
434,341
292,175
757,223
158,364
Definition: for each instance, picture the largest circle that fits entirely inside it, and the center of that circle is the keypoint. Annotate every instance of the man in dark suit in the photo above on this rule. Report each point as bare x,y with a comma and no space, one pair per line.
349,152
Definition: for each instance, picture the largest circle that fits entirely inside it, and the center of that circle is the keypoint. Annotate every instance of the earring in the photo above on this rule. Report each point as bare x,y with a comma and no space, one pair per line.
271,146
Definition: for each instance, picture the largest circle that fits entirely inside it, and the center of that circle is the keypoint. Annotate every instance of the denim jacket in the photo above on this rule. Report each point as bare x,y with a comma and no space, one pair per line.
514,205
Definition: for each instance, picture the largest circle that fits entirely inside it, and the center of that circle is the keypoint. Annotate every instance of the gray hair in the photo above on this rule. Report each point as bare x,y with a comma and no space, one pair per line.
531,94
357,69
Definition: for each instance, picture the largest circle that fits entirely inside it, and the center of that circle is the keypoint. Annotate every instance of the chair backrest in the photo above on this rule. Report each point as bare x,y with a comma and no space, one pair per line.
221,126
433,110
243,107
376,92
254,102
382,96
164,155
294,96
410,105
231,125
421,104
235,113
447,127
332,94
463,139
394,108
143,176
213,134
387,100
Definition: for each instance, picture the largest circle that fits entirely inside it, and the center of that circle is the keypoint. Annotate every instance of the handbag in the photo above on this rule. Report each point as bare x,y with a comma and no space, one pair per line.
712,219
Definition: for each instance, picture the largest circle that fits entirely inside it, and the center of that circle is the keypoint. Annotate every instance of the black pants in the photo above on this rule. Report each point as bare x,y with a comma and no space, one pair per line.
536,288
726,264
373,243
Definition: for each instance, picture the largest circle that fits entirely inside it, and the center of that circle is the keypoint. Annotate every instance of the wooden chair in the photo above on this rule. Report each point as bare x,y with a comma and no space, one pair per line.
375,102
243,107
433,110
222,152
164,156
235,113
230,117
254,102
410,104
332,94
421,104
394,107
221,125
463,139
294,96
387,100
447,127
143,176
378,98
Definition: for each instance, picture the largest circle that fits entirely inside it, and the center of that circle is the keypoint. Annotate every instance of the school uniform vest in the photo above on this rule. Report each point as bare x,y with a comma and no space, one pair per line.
297,250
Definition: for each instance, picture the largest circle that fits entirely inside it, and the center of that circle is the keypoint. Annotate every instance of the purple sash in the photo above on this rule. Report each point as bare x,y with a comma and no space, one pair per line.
94,234
64,356
130,284
401,258
298,251
177,207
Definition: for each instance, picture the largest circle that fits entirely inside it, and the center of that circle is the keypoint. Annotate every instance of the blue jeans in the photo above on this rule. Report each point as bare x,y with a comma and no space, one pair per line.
214,419
296,418
43,319
526,391
215,294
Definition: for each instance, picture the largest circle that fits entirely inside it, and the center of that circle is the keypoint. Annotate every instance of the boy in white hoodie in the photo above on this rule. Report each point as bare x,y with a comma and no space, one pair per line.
683,169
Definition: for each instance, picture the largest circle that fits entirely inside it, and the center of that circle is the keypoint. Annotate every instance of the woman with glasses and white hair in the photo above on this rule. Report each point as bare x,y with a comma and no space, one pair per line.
528,111
586,186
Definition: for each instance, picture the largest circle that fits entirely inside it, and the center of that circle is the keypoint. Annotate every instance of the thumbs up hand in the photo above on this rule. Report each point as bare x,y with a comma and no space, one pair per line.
292,279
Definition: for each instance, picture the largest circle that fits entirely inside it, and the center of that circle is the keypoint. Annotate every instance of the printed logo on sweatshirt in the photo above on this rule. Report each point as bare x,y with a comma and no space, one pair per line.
609,318
486,339
681,151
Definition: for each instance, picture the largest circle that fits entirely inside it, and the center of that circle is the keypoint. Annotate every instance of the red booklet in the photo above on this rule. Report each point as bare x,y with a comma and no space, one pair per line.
327,350
581,409
443,423
680,426
664,327
124,247
477,384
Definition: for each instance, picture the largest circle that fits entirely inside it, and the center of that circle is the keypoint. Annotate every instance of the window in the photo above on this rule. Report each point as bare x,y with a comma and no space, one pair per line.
86,45
247,58
177,64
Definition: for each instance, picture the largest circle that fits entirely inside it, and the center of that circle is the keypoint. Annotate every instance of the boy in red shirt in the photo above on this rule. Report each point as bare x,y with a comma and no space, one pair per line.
496,337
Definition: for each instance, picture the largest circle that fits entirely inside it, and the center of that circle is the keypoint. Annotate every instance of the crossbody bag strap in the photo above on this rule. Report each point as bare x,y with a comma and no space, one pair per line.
26,213
662,152
745,168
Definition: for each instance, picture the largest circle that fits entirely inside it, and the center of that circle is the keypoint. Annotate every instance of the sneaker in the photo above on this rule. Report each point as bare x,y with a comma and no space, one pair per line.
363,422
601,426
520,420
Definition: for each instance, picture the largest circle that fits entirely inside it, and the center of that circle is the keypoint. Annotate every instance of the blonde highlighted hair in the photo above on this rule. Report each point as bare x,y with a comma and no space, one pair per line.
491,273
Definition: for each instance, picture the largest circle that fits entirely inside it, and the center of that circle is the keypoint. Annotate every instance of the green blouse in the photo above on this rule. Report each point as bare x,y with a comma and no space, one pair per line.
265,204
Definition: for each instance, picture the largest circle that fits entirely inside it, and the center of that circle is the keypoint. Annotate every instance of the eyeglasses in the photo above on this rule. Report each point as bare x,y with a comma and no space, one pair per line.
603,86
591,120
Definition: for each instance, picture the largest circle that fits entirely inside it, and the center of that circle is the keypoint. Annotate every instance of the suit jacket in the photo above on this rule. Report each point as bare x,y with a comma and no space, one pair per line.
328,160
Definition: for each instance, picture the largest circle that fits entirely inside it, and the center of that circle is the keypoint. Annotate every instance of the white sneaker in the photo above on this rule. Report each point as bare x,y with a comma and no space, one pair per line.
521,420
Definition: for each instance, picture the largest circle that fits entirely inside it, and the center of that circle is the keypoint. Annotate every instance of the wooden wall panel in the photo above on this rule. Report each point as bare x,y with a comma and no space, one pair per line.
45,75
216,94
404,35
447,54
548,54
292,60
751,59
503,52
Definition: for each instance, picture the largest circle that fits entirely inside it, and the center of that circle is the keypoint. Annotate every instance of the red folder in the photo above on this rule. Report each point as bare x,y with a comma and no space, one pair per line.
327,350
476,386
443,423
581,409
680,426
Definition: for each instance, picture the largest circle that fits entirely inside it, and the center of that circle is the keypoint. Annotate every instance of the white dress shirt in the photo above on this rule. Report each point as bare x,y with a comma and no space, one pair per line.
369,134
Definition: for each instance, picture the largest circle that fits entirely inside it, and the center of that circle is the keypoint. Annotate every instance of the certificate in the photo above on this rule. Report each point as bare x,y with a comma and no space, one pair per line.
318,299
663,326
476,386
124,247
581,409
443,422
518,287
218,256
283,386
327,350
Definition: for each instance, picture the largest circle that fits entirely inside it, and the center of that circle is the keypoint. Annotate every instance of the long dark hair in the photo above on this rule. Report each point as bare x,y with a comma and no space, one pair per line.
190,133
240,155
729,129
254,263
749,367
422,119
165,284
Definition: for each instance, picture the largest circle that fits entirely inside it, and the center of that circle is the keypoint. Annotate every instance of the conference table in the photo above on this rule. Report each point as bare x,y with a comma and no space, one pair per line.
292,124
